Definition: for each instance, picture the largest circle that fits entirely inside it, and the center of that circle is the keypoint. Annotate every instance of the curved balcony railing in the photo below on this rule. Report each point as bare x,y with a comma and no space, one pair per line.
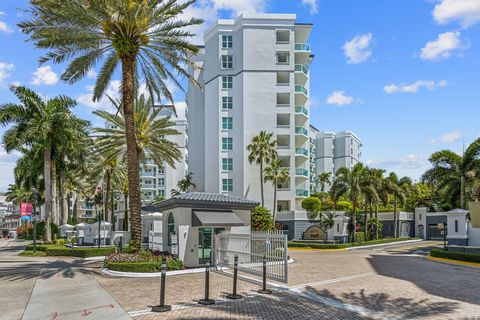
301,68
301,172
301,89
301,109
301,130
301,152
302,192
302,46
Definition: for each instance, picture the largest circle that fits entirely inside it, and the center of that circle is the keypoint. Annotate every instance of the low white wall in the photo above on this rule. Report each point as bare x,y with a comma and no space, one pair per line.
473,236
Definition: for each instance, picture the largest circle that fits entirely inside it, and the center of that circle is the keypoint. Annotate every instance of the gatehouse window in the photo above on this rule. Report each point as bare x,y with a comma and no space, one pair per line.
170,227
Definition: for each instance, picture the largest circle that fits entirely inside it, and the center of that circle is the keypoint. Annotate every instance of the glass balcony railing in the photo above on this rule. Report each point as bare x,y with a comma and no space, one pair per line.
301,130
301,109
301,172
301,151
302,46
302,192
301,89
301,68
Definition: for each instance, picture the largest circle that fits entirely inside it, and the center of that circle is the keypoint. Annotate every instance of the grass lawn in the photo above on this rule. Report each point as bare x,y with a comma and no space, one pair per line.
60,250
28,253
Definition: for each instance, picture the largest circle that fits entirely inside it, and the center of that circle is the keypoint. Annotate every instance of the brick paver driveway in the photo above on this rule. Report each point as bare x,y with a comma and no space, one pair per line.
367,284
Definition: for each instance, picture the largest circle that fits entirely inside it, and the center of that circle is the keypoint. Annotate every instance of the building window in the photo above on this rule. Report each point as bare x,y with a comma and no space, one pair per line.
338,227
227,62
456,225
227,164
227,143
227,102
170,228
227,41
227,82
351,151
227,123
283,57
227,185
161,182
161,193
283,36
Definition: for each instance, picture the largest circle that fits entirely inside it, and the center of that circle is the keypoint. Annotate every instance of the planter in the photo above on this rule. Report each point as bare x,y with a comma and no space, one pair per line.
475,213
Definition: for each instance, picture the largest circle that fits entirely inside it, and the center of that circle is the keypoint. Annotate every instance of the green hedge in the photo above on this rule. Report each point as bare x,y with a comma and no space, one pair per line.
43,247
148,266
79,252
462,256
313,245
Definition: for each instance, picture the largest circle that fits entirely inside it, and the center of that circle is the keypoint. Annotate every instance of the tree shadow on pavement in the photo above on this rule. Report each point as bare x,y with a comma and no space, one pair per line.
44,270
438,279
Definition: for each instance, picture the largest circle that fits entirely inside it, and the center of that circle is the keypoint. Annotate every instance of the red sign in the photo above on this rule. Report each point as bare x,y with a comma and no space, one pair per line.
26,208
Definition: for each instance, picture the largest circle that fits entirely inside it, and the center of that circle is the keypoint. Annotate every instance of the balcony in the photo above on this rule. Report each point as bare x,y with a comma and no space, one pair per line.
301,172
302,47
301,136
301,95
301,115
148,186
301,130
301,89
301,74
301,193
148,174
301,110
301,152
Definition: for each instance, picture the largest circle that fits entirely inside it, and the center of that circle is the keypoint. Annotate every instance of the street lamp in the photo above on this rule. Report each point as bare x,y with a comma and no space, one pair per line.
35,195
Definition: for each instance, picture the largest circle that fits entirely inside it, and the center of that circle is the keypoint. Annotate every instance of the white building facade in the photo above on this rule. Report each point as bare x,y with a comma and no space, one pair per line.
255,76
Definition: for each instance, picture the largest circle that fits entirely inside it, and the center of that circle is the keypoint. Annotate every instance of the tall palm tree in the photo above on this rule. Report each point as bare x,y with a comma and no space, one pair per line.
147,38
323,179
451,172
38,121
394,188
369,191
277,175
262,151
349,181
185,184
18,194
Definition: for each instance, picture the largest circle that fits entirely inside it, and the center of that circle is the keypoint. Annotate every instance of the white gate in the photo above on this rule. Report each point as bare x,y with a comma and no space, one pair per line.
251,248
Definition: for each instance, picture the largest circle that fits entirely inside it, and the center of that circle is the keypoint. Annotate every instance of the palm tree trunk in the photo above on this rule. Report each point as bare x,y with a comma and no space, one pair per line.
107,196
376,218
47,164
55,217
112,210
395,217
462,192
128,92
63,196
365,216
274,204
261,181
354,221
125,217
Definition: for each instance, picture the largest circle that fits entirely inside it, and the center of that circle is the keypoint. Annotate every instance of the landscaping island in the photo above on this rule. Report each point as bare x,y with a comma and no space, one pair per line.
326,246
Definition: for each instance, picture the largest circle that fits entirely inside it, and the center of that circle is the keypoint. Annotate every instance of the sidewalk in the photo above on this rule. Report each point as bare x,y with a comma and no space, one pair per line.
71,294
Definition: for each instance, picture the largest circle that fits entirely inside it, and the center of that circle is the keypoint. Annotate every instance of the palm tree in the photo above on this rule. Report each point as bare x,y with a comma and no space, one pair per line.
451,172
17,194
327,222
42,122
369,191
349,181
277,175
185,184
394,188
146,37
262,151
323,179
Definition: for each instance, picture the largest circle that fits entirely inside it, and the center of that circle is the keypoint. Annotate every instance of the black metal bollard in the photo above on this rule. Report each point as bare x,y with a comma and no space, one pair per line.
264,289
120,244
162,307
207,300
234,294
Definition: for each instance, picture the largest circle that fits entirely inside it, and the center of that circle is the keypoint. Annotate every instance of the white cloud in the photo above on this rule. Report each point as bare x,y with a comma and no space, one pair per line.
312,4
5,70
358,49
5,28
339,98
113,91
91,74
411,161
240,6
467,12
450,137
442,47
414,86
44,75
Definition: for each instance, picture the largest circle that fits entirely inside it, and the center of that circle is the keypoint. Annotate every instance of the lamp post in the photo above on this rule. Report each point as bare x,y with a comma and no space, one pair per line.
35,194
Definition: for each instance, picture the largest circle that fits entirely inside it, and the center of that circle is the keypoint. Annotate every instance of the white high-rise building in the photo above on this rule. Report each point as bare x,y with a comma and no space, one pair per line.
336,150
254,77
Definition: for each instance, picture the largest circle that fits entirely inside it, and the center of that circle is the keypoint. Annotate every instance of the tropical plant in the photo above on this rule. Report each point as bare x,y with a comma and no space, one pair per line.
262,151
47,124
312,204
326,221
261,219
394,188
277,175
349,181
323,179
186,184
146,37
17,194
451,173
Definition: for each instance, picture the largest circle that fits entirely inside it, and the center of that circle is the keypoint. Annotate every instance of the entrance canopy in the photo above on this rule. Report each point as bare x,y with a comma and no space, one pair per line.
215,218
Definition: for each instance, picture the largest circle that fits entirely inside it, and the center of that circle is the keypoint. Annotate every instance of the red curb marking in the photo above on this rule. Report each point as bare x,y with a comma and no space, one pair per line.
86,312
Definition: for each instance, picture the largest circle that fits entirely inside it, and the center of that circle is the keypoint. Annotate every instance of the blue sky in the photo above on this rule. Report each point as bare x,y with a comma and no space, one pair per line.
402,74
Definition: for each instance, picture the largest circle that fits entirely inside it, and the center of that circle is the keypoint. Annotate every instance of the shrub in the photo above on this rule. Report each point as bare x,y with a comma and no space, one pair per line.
344,206
261,219
314,245
360,236
312,204
145,261
462,256
60,242
79,252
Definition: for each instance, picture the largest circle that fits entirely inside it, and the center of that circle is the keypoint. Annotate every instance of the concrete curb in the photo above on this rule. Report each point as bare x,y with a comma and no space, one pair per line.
383,244
158,274
454,262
